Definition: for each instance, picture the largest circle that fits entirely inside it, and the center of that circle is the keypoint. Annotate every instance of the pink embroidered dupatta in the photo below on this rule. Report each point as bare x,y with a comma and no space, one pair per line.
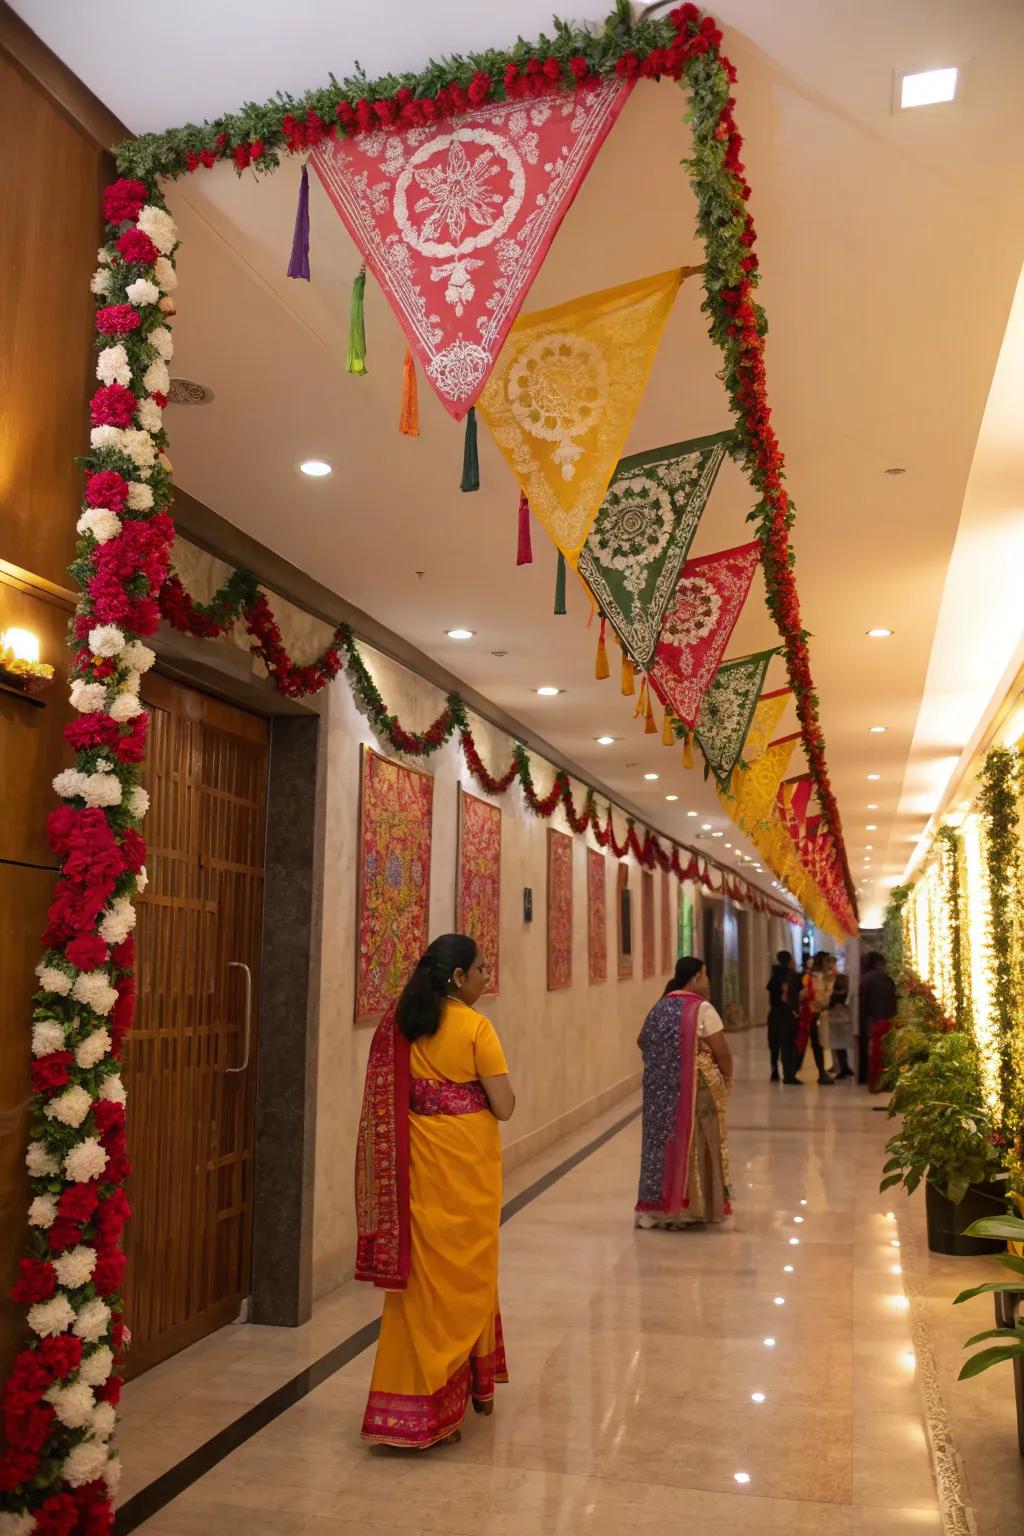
382,1162
670,1098
679,1145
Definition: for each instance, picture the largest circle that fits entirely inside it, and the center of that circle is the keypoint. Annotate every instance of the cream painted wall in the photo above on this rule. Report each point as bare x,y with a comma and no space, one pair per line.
571,1053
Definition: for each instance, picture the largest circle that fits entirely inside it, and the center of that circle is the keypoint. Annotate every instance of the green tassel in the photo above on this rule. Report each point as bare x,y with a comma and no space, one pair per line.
356,361
560,584
470,459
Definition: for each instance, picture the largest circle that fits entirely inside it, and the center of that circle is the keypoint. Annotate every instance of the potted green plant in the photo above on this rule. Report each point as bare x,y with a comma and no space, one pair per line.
947,1138
1009,1296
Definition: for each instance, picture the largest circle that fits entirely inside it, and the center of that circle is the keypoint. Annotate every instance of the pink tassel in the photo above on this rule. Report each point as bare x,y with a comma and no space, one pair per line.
524,554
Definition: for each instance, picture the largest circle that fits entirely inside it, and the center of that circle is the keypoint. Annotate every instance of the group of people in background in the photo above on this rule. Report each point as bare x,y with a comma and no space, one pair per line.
813,1008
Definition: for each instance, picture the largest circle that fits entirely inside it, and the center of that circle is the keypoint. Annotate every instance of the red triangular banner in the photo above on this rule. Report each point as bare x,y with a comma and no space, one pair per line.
454,219
710,592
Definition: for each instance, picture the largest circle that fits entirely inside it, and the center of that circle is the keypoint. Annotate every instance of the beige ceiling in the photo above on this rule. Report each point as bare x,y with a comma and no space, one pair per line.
890,247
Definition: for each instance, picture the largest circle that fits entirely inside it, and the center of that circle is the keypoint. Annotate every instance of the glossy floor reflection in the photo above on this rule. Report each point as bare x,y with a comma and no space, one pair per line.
758,1376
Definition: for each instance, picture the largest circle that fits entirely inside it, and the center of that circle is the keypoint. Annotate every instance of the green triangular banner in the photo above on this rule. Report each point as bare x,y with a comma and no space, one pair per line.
727,710
642,536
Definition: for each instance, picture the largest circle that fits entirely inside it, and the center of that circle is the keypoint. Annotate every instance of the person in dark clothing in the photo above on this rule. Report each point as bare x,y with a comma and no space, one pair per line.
877,1013
783,1007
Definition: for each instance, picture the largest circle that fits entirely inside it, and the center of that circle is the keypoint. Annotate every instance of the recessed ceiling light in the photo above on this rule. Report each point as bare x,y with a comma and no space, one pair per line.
879,634
870,827
650,777
671,797
315,468
718,834
874,776
604,741
742,1477
757,1397
705,826
869,847
548,692
872,805
728,845
877,730
691,813
461,634
928,88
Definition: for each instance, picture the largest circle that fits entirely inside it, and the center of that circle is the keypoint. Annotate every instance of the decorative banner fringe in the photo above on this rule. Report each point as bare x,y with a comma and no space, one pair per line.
668,735
601,667
560,584
640,712
409,415
688,750
628,684
298,265
470,461
356,361
650,724
524,553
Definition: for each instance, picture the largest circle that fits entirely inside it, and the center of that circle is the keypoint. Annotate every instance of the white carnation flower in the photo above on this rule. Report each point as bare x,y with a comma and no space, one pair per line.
112,1089
166,306
138,801
73,1405
92,1321
113,367
70,783
157,378
85,1161
93,989
88,698
108,437
138,445
53,980
164,272
18,1524
160,227
138,656
96,1367
149,415
118,920
142,291
103,1420
75,1267
126,705
113,1475
140,497
48,1318
48,1035
141,880
92,1049
106,640
100,281
84,1463
104,256
69,1107
101,789
101,522
39,1162
42,1212
161,338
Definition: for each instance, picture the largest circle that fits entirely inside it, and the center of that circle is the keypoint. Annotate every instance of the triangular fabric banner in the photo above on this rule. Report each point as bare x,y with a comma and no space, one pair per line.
642,534
752,789
700,620
454,218
766,720
562,398
727,710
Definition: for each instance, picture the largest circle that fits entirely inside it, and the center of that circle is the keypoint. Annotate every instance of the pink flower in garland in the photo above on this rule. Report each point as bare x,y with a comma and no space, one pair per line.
37,1281
113,406
136,246
117,319
123,200
106,488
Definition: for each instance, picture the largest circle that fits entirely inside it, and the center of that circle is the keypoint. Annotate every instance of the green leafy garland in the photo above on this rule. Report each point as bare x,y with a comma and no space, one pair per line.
892,929
950,845
999,800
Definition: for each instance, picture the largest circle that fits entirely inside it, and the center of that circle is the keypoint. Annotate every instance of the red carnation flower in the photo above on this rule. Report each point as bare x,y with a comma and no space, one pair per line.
57,1517
109,1116
64,1235
78,1202
61,1355
579,66
16,1469
95,1510
242,155
123,199
192,161
109,1273
29,1429
628,65
106,488
110,1392
208,157
133,847
123,954
553,70
117,319
134,245
37,1281
50,1072
87,951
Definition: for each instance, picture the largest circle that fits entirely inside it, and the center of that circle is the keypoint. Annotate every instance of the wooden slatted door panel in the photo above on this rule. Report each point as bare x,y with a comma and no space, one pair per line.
191,1111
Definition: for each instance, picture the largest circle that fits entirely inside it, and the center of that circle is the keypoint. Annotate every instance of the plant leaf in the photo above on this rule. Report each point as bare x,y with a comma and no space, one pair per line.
894,1178
995,1333
994,1287
989,1357
1009,1227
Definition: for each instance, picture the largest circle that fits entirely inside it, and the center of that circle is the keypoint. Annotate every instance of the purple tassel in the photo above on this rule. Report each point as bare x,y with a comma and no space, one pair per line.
298,266
524,554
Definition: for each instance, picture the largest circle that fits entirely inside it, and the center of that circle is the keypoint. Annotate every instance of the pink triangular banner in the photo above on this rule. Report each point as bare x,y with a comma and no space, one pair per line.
454,219
710,593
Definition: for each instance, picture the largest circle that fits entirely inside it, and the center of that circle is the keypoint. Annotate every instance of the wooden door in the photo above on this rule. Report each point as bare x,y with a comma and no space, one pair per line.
191,1058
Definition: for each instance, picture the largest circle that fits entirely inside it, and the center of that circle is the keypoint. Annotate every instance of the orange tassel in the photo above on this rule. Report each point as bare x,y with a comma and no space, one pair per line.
650,724
688,750
640,711
409,416
668,735
601,667
628,683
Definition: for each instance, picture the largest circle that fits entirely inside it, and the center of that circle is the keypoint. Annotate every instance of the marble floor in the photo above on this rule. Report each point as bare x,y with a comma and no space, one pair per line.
760,1376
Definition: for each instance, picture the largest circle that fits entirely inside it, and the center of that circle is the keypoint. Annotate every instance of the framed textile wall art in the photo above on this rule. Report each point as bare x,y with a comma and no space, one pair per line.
559,910
396,807
624,922
668,959
647,894
597,916
478,879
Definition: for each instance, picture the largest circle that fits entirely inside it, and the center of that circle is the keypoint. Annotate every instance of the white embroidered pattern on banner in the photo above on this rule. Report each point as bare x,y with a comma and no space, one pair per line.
455,222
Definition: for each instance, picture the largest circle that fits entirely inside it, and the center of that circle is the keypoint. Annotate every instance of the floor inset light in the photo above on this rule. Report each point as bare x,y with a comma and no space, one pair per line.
769,1343
897,1269
909,1359
315,468
757,1397
780,1301
894,1243
548,692
742,1477
874,777
691,813
872,805
705,826
798,1219
928,88
803,1202
879,634
605,741
871,827
671,797
650,776
787,1269
718,834
794,1242
877,730
728,845
461,634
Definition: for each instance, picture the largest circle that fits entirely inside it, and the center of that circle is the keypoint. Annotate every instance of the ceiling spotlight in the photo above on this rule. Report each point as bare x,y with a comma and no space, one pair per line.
870,827
315,468
650,777
718,834
878,730
604,741
879,634
671,797
872,805
741,1477
728,845
705,826
874,776
548,692
927,88
460,634
691,813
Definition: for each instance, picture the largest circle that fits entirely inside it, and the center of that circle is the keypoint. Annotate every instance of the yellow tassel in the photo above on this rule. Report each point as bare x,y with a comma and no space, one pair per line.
409,416
641,704
628,684
668,735
688,750
601,667
650,724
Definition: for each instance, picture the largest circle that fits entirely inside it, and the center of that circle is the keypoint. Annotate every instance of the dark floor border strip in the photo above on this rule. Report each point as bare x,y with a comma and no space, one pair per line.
142,1506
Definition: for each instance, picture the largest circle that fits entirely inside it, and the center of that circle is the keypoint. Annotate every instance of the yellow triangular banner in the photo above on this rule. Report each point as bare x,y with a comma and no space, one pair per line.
750,797
765,722
563,395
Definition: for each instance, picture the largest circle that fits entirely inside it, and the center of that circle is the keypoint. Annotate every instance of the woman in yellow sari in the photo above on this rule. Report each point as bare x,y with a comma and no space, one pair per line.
428,1200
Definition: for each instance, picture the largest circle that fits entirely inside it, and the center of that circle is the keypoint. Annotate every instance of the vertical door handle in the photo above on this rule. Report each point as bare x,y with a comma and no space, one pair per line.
241,966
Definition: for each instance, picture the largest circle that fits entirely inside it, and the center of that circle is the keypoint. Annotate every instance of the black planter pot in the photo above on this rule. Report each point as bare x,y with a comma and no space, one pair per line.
946,1221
